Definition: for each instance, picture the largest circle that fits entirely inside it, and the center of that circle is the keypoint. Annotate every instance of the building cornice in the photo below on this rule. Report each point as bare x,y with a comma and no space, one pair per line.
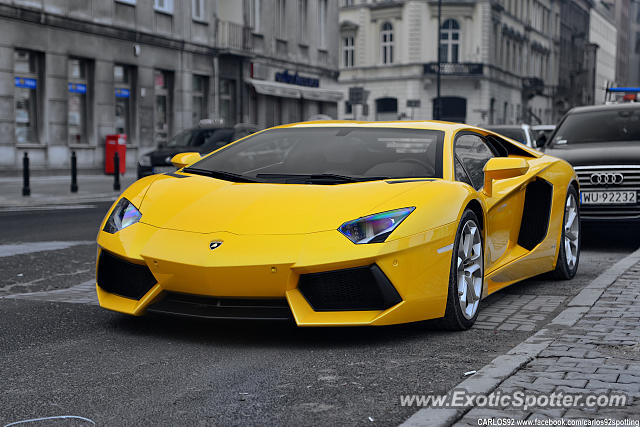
39,17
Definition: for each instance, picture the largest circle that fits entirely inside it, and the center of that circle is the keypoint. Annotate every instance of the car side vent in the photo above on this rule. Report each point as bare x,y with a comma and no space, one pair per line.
536,214
357,289
120,277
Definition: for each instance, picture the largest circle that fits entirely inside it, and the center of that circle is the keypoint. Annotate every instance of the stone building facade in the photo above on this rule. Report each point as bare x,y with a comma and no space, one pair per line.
604,36
500,59
293,68
72,72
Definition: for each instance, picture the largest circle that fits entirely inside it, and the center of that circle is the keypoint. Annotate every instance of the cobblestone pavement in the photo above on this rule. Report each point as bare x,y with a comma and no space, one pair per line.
513,312
599,354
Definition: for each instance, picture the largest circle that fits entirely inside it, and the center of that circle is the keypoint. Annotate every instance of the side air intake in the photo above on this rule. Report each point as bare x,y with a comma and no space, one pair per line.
536,213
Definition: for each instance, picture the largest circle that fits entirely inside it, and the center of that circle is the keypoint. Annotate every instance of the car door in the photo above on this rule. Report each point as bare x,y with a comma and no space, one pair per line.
504,207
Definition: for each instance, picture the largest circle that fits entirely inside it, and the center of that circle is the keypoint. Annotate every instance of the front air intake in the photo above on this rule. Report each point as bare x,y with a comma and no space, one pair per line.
124,278
353,289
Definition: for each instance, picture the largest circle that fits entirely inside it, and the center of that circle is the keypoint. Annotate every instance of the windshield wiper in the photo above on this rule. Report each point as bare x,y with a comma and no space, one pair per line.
321,177
227,176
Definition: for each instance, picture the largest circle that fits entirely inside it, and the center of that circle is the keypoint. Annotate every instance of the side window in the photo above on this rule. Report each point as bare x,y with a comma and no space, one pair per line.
473,153
461,174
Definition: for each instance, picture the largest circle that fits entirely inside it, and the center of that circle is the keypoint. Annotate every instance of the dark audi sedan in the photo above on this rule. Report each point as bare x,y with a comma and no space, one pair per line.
603,145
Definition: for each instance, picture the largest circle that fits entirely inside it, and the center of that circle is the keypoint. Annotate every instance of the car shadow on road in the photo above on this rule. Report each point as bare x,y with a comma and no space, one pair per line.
617,238
281,333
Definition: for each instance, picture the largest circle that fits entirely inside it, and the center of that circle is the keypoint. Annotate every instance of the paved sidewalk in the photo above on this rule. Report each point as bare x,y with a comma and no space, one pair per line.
593,346
56,190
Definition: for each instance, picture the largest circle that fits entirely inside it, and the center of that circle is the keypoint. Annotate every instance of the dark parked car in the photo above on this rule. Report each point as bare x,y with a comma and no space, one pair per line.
204,139
603,145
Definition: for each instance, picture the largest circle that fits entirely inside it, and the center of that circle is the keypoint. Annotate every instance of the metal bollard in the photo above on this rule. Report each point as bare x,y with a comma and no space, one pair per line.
26,190
116,172
74,173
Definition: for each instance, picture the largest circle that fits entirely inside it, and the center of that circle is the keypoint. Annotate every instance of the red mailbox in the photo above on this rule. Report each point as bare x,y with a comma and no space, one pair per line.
115,144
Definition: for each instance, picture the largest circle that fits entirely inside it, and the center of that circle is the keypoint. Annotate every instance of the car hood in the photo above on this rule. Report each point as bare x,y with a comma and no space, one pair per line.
205,205
598,153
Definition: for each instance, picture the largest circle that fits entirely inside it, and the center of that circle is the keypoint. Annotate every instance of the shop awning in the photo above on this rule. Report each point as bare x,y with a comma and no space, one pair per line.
290,91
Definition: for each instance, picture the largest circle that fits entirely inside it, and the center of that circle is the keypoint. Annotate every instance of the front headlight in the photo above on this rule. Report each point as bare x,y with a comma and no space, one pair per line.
374,228
145,160
123,215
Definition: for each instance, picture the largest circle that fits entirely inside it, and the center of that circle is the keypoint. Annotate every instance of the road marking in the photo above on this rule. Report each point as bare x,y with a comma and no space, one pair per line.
46,208
30,247
84,293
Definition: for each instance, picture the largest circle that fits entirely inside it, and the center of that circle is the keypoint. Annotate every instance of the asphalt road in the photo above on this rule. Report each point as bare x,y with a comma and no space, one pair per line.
77,359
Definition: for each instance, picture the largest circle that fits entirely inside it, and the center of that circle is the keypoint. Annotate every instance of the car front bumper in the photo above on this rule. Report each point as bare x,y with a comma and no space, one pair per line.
267,270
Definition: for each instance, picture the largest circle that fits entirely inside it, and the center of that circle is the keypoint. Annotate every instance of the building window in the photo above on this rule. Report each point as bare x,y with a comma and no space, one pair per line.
124,91
254,15
197,10
348,107
227,105
347,3
77,101
281,19
303,9
26,69
450,41
386,42
322,24
199,98
133,2
165,6
348,51
162,92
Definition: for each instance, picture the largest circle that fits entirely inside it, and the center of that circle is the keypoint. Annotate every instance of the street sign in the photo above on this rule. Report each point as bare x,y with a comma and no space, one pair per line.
413,103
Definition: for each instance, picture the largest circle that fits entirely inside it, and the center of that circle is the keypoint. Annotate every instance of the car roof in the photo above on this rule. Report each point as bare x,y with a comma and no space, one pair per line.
543,127
605,107
210,128
402,124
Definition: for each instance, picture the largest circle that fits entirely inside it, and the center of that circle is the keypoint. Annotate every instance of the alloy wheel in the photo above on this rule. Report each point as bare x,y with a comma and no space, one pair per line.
469,269
571,231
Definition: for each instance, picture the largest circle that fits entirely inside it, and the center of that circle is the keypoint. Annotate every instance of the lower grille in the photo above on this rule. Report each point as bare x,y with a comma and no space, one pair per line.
124,278
222,308
354,289
610,213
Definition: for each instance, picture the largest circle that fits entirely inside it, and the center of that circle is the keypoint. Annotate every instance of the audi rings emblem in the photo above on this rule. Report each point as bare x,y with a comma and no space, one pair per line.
607,178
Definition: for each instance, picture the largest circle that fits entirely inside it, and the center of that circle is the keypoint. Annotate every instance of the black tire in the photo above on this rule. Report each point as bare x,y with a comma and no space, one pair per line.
453,319
563,271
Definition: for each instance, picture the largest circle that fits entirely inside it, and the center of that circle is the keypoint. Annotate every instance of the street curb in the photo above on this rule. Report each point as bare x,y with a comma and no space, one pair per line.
58,201
489,377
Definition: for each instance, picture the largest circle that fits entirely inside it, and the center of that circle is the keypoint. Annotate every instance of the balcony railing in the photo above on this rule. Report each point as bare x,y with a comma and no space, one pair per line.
233,36
455,69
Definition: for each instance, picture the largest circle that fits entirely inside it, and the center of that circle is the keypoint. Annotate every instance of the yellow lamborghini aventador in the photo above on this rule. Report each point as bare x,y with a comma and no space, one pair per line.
341,223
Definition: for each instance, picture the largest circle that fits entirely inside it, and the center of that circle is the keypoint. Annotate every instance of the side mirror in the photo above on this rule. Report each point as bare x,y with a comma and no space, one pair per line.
183,159
502,168
541,141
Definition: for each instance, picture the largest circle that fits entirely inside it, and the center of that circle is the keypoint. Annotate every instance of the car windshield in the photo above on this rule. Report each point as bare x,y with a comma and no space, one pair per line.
513,133
183,139
599,126
344,154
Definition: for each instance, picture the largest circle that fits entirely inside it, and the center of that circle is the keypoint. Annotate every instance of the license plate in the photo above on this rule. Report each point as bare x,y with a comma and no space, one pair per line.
163,169
608,197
